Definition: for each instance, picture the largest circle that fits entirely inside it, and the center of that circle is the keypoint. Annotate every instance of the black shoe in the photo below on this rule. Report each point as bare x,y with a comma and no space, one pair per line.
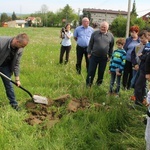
66,62
124,88
98,83
128,88
78,72
16,107
88,85
145,121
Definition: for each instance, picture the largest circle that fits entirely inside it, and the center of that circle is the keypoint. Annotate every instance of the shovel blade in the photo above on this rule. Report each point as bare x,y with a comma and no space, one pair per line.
40,99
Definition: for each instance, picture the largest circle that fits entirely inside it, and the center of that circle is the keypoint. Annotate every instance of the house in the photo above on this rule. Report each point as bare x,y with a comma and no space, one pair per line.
33,21
99,15
16,23
146,17
4,24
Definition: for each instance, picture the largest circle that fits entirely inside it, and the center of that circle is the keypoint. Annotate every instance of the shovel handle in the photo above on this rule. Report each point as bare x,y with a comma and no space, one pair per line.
3,75
22,88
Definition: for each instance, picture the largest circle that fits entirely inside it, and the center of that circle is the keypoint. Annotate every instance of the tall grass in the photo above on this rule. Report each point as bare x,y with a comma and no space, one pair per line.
113,126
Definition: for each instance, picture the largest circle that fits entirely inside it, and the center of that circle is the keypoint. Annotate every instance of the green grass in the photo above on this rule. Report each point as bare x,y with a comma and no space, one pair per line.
115,126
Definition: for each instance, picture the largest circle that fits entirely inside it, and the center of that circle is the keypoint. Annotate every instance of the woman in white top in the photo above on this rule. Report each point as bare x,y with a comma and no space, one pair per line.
66,35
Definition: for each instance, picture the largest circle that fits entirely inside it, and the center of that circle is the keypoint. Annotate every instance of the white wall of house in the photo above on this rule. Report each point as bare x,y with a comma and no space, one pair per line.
16,23
99,15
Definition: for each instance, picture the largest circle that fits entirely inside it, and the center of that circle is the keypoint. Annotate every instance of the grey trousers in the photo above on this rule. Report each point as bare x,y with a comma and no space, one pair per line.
147,134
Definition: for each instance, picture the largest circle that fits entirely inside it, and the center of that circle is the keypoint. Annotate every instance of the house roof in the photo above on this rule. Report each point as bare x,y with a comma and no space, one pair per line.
30,18
20,21
105,11
17,21
146,16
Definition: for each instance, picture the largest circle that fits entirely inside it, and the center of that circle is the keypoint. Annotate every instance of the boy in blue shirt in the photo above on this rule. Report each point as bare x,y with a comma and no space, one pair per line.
117,66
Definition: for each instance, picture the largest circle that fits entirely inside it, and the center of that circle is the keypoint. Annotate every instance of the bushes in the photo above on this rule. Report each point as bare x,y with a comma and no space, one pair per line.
118,26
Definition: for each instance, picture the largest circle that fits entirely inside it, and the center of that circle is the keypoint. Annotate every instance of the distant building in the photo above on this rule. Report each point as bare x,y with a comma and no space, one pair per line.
33,21
99,15
4,24
146,17
16,23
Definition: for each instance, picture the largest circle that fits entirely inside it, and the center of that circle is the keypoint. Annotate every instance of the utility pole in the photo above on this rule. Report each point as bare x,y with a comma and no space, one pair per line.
66,18
128,19
79,15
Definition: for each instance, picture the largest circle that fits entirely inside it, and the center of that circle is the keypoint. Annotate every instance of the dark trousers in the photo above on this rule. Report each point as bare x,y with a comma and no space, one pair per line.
127,75
63,50
8,85
93,63
140,87
114,78
80,51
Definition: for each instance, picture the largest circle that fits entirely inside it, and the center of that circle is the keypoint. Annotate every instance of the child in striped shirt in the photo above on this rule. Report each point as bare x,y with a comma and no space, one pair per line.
117,66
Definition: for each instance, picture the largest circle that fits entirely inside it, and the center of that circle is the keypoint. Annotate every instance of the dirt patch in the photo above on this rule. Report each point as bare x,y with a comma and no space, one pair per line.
49,115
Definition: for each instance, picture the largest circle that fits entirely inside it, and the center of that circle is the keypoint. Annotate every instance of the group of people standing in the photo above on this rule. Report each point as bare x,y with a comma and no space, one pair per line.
95,46
131,60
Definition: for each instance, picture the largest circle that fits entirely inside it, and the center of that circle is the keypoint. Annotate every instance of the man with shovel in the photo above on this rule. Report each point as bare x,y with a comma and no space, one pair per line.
11,49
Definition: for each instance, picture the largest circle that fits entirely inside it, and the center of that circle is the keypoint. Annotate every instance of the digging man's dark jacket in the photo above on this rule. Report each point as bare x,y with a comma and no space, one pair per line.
5,52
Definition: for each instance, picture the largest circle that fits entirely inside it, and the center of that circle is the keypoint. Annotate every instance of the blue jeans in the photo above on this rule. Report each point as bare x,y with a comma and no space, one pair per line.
8,85
112,81
134,78
93,63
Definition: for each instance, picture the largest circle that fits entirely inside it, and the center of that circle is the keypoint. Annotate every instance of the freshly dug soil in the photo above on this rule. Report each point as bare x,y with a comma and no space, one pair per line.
48,115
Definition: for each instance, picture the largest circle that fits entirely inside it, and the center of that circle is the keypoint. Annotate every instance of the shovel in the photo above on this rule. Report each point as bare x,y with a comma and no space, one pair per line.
35,98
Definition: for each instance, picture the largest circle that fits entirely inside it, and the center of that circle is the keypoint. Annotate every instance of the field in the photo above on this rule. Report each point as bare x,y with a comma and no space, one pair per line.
103,122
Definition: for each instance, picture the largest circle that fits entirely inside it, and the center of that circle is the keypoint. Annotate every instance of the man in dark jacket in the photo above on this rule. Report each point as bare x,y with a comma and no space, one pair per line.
99,52
147,67
147,63
11,49
140,84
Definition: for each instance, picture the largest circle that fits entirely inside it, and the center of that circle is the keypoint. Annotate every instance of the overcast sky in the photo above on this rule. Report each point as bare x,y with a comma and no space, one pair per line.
32,6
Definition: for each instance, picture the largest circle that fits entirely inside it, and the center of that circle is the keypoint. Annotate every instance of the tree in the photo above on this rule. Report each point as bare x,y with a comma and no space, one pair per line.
134,20
138,21
60,18
67,15
14,17
118,26
44,10
4,17
133,12
88,15
50,19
